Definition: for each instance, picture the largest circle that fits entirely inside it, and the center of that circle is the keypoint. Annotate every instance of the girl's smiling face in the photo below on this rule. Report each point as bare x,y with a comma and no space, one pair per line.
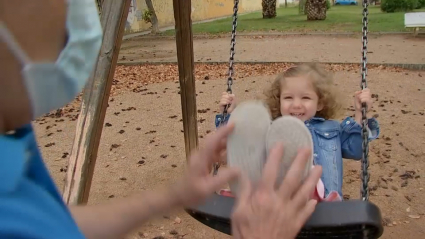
298,98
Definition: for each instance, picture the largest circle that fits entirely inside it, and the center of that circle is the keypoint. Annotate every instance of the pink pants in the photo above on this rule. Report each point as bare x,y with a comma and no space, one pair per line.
319,194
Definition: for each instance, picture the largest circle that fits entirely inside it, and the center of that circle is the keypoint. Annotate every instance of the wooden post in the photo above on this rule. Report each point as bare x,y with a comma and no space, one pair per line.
95,101
184,42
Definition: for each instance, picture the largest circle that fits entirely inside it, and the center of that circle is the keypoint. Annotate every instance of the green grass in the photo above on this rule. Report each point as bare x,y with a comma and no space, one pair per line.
339,19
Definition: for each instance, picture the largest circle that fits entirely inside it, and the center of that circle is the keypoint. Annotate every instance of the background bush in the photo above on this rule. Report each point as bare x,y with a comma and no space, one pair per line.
400,5
421,4
328,4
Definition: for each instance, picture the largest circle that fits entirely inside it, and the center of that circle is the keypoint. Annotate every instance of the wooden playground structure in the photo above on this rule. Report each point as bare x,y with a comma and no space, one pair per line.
96,94
356,217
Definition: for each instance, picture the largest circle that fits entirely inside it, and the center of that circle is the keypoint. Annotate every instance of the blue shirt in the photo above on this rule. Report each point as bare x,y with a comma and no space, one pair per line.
30,204
333,141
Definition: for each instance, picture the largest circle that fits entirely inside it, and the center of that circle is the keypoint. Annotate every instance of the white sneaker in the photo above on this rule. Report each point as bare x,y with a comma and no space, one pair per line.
294,135
246,145
255,134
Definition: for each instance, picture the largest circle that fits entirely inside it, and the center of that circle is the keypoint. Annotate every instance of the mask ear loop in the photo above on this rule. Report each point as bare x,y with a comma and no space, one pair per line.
8,38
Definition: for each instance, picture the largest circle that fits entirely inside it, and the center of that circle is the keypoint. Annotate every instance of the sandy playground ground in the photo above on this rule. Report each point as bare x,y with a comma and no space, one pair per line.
142,144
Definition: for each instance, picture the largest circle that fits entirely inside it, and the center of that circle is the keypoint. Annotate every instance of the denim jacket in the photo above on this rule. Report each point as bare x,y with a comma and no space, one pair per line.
333,141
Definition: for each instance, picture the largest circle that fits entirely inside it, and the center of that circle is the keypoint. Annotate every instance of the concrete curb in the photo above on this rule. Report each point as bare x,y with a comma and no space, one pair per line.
275,34
407,66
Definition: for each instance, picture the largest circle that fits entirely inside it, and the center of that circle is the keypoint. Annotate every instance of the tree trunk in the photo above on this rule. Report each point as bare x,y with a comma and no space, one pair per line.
269,8
286,3
154,19
306,2
301,7
316,9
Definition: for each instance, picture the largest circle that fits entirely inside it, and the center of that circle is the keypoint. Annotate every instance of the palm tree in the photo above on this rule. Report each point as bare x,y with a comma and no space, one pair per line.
269,8
315,9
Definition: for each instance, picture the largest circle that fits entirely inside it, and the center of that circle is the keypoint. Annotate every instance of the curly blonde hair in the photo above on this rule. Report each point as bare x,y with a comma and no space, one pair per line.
323,85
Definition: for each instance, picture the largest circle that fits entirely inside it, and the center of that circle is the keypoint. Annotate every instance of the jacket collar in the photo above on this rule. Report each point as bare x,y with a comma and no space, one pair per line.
315,119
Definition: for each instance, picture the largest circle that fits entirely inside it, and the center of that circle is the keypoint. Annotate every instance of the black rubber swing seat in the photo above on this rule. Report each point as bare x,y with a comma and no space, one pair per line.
347,219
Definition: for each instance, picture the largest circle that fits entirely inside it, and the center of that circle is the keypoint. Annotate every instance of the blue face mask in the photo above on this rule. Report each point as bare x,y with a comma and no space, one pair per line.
51,85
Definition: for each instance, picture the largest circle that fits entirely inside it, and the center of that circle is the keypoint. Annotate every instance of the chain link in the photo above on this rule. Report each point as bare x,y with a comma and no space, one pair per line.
365,161
231,71
232,54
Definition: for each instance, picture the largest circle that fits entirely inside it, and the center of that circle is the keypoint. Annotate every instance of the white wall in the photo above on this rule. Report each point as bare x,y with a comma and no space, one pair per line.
282,2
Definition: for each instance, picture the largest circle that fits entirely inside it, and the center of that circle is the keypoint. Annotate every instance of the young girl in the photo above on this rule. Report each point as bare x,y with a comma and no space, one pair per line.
305,92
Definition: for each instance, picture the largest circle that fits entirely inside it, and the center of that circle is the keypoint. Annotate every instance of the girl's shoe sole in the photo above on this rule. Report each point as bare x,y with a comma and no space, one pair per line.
294,135
246,145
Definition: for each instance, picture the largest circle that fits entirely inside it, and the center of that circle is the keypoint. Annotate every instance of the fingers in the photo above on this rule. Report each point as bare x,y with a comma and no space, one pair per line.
272,167
226,99
224,102
360,91
217,142
224,176
201,160
245,187
305,213
309,185
294,176
364,91
363,94
365,97
223,156
227,96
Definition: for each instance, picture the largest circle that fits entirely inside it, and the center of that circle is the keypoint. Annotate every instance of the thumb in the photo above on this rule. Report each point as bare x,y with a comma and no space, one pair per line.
223,176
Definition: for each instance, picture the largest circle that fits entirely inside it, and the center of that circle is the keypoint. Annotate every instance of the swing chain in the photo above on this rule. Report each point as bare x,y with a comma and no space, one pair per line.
365,161
230,78
232,50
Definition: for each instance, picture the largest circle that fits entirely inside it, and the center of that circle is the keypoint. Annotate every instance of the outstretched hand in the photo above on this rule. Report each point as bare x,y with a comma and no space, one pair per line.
270,212
199,183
